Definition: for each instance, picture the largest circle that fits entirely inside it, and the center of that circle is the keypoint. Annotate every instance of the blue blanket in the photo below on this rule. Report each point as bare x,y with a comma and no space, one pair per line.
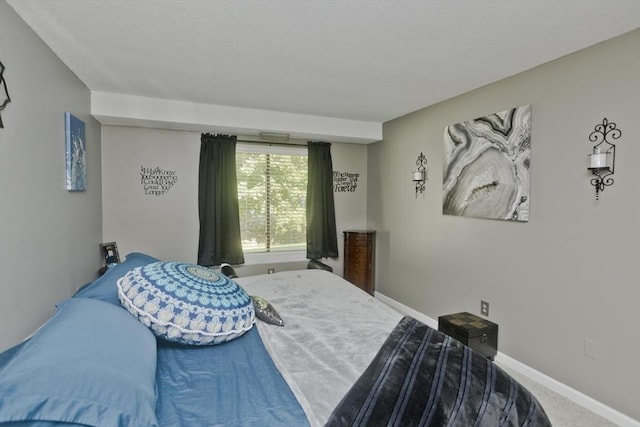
231,384
421,377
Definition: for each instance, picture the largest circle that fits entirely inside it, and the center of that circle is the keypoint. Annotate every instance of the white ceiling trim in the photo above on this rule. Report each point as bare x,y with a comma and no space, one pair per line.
130,110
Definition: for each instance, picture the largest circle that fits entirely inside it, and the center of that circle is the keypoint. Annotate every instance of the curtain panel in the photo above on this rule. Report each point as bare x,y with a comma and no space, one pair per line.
220,240
322,241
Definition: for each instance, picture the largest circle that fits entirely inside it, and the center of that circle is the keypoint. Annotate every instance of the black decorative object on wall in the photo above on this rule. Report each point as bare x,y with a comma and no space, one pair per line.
4,93
602,160
419,175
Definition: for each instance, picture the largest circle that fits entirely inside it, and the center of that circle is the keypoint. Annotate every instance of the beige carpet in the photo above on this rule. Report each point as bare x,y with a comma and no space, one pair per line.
561,411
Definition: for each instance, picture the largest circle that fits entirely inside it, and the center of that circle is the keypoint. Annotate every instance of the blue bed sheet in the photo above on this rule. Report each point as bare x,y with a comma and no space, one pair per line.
231,384
91,364
93,351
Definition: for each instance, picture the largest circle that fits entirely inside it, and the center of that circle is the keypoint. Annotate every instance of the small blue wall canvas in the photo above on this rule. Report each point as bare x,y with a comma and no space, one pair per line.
76,153
486,173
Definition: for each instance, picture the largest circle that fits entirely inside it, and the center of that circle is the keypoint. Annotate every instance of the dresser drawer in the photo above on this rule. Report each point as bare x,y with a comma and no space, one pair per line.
359,256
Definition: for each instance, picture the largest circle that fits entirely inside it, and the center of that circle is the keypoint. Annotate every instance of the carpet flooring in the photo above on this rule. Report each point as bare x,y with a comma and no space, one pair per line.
562,412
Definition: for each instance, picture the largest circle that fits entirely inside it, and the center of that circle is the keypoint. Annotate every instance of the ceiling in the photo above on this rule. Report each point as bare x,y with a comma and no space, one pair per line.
358,60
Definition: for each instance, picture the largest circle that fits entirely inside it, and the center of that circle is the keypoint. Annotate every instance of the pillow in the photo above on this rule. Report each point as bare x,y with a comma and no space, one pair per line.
228,271
186,303
265,311
104,288
90,364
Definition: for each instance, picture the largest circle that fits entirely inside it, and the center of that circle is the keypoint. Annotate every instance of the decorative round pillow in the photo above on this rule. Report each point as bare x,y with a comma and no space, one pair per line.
186,303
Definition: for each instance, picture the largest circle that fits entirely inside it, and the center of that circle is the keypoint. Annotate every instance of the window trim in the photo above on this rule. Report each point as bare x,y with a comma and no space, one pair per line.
255,258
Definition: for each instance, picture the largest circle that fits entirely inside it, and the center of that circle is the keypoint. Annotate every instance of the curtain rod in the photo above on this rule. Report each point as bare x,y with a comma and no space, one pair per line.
262,141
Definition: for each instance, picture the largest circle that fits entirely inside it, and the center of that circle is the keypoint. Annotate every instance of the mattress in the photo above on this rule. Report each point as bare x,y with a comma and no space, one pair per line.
332,332
351,360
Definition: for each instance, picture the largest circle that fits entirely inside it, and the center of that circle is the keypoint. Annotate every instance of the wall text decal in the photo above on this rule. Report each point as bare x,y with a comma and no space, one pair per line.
157,181
345,182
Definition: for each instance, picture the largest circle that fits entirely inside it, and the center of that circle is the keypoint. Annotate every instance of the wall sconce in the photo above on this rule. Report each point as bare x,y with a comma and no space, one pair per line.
603,159
420,175
4,93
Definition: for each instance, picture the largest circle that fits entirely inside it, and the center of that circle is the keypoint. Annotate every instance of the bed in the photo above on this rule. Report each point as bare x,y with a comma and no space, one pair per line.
342,358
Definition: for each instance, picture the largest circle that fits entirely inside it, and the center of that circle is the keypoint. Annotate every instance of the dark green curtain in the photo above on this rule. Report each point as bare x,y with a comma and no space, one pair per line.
220,240
322,241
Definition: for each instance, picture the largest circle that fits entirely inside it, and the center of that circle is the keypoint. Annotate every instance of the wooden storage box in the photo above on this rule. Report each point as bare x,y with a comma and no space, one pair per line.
478,333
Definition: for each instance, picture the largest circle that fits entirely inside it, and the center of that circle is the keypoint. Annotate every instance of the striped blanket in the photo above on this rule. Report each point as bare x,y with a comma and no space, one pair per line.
421,377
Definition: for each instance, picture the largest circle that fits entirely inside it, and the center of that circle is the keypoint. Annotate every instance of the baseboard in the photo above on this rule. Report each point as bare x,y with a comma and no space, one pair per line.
579,398
572,394
407,310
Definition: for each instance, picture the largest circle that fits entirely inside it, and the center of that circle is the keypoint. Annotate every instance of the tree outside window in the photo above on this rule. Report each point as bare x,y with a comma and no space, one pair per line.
272,188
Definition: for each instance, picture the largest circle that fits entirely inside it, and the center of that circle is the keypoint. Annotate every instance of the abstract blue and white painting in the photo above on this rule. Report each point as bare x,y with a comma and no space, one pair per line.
76,153
486,171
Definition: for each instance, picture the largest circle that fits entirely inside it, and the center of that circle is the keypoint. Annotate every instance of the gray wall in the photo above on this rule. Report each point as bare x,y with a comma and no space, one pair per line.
167,226
568,275
550,283
49,236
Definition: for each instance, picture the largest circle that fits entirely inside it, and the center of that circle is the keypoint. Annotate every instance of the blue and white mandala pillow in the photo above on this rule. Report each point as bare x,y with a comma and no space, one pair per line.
186,303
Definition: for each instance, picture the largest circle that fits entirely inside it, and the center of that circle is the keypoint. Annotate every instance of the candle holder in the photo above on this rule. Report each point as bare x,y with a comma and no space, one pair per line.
419,174
603,159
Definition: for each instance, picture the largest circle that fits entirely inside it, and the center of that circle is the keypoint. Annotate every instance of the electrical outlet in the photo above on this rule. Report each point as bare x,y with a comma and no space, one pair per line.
484,308
591,349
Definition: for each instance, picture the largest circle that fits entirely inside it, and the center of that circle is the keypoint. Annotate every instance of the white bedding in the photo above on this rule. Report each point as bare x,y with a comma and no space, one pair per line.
332,331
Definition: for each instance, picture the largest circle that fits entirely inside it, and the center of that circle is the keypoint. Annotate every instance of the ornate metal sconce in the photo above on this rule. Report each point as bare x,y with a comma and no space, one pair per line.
419,175
4,93
602,161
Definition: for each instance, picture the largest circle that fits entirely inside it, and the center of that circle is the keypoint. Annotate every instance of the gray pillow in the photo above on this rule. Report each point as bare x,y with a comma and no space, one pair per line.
265,311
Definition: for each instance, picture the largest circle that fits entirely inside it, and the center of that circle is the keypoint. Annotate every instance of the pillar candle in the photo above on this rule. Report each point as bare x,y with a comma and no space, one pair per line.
599,160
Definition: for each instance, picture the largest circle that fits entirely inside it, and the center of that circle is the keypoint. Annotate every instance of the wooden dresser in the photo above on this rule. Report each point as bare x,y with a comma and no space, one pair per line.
359,258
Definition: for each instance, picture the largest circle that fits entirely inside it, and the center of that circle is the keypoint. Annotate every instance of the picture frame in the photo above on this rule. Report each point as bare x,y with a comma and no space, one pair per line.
487,166
75,153
110,253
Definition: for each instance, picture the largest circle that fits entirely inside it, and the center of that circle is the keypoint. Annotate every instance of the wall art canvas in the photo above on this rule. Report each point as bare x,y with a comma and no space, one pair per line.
76,153
486,171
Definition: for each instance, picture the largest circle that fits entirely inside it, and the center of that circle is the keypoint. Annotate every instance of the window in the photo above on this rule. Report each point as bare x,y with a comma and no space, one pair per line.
272,189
